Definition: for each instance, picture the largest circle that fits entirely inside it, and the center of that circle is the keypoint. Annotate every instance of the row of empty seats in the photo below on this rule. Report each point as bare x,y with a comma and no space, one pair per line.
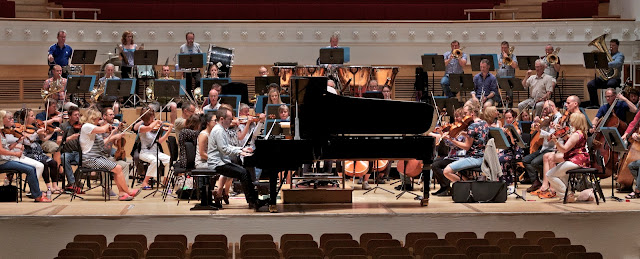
423,245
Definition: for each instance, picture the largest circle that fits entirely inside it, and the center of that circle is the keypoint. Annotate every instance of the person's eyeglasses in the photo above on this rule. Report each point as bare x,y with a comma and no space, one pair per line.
609,96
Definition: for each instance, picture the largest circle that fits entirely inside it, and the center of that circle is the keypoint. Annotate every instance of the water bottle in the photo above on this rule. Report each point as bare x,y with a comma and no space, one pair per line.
49,193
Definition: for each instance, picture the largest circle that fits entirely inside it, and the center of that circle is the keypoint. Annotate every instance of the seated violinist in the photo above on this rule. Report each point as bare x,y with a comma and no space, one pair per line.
622,106
475,140
188,110
152,132
506,155
533,162
111,137
51,117
71,132
440,163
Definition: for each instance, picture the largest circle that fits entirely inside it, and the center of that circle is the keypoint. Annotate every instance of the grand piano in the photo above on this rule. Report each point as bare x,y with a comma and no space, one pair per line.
329,126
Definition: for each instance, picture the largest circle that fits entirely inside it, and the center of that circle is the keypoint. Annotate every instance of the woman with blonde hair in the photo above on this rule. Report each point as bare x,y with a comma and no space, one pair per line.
126,50
274,97
575,156
490,115
94,156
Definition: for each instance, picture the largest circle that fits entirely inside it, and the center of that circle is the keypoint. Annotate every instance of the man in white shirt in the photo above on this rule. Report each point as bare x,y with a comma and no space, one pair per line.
213,99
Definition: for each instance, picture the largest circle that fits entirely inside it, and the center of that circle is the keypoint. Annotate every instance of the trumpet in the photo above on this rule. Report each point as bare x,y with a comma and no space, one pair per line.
457,53
553,57
508,60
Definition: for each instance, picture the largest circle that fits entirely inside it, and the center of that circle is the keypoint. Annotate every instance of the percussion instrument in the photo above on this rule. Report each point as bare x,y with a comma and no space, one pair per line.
355,78
221,57
384,75
285,73
311,71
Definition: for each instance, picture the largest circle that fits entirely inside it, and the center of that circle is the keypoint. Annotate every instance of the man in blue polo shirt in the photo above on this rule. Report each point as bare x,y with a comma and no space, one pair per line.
486,85
622,106
60,53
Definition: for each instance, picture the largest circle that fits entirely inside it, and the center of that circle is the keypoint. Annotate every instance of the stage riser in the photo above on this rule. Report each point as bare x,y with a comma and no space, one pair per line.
610,233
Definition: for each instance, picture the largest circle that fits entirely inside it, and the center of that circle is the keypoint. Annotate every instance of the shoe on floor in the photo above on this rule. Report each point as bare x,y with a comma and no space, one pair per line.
534,186
365,186
546,194
42,198
125,197
441,190
134,192
445,193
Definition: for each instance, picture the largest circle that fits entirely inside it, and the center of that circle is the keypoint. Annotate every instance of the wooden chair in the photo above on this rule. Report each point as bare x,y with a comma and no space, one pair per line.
575,177
420,244
474,250
93,246
453,237
548,255
252,237
330,236
347,251
451,256
180,238
296,252
121,252
519,251
168,244
289,244
211,237
393,251
430,251
100,239
271,252
494,256
210,244
128,244
286,237
581,255
505,244
494,236
81,252
331,244
257,244
365,237
375,243
548,242
208,252
164,252
563,250
464,243
142,239
412,237
533,236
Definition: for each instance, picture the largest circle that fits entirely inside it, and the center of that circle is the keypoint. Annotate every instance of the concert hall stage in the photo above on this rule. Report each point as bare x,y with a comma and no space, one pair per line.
609,228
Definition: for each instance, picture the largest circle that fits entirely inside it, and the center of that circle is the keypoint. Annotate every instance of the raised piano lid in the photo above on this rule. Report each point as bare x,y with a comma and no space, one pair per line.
323,113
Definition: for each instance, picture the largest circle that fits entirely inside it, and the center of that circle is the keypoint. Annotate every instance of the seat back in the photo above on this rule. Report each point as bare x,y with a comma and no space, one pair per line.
330,236
464,243
453,237
375,243
93,246
254,237
210,244
142,239
505,243
208,252
165,252
210,237
494,236
286,237
172,237
331,244
190,150
451,256
420,244
128,244
168,244
549,242
290,244
533,236
431,251
412,237
173,149
584,255
303,252
121,252
494,256
79,252
563,250
347,251
518,251
547,255
271,252
365,237
100,239
395,251
475,250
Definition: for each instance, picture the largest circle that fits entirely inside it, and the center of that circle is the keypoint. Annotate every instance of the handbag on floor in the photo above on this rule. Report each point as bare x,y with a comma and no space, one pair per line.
479,191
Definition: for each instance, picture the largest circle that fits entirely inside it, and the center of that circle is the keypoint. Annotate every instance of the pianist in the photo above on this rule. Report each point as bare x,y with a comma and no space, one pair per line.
219,151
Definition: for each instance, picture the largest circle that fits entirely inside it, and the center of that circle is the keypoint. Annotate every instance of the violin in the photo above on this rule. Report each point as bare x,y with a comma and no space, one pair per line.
30,129
41,125
77,127
16,132
164,126
461,126
561,132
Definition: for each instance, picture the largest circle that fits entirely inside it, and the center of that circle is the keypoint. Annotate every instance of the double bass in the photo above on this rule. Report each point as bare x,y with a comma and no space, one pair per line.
625,178
609,157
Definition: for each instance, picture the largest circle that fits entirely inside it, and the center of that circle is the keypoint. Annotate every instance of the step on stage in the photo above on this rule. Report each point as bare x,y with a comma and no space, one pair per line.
33,230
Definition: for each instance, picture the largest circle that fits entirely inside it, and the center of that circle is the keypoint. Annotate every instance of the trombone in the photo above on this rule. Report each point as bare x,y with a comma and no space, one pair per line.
553,57
508,59
457,53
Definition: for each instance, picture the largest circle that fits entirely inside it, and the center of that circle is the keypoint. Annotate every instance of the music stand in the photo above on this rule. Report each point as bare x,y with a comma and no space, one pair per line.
120,87
84,56
373,95
595,60
501,142
510,84
167,89
460,82
476,58
613,139
527,62
80,84
332,56
432,62
262,82
207,84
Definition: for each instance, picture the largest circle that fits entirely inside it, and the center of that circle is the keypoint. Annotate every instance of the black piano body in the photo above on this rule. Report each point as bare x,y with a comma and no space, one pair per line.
377,129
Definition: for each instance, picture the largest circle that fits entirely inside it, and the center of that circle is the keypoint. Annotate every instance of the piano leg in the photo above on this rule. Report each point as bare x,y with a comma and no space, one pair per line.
273,191
426,187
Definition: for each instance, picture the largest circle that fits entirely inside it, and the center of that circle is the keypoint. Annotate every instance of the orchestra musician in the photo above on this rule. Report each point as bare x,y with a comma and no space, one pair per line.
552,70
108,117
575,156
486,85
620,109
454,154
10,160
189,133
213,71
236,134
283,113
475,140
504,69
191,47
15,144
203,138
598,83
33,150
219,151
71,132
52,117
61,82
386,92
373,86
149,133
634,167
109,73
213,99
125,52
172,106
274,97
60,53
505,156
550,159
188,110
331,87
490,115
540,85
94,155
533,162
454,65
262,71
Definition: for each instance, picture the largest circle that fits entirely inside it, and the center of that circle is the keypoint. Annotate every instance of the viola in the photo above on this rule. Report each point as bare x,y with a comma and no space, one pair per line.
41,125
77,127
12,131
30,129
561,132
461,126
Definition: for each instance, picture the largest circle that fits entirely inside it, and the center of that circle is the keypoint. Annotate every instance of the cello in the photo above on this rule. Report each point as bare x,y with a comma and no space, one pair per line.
609,157
625,178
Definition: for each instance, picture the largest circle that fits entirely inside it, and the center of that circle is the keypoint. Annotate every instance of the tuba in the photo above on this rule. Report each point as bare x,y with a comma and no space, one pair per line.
604,73
507,60
457,53
553,57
